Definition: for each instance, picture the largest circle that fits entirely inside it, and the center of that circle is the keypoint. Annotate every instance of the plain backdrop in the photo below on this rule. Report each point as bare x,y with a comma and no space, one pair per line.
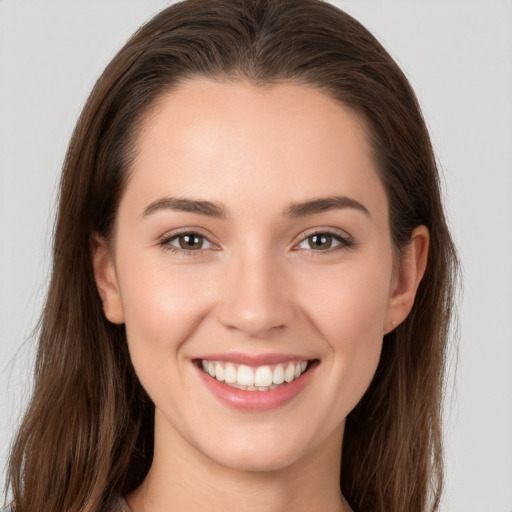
458,56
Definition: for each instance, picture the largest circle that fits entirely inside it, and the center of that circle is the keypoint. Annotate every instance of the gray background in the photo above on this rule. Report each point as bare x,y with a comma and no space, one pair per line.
458,56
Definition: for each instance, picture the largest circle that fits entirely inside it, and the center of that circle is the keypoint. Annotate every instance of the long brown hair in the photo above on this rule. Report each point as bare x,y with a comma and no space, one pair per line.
87,433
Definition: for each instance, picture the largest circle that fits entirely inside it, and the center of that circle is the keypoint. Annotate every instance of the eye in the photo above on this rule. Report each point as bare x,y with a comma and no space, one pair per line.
187,241
324,241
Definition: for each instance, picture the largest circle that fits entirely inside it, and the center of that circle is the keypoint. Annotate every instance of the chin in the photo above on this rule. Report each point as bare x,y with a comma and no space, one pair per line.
254,462
255,455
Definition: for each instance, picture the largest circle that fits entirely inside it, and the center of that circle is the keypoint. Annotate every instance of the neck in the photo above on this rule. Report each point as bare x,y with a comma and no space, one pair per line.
198,483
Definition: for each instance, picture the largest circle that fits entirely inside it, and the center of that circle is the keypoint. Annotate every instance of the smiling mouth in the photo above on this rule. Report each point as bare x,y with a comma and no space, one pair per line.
258,378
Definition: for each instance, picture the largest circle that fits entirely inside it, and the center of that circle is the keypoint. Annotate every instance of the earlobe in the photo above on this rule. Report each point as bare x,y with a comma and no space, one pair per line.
409,274
106,282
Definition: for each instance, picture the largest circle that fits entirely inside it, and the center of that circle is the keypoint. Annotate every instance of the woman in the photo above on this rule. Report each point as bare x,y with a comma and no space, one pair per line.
252,277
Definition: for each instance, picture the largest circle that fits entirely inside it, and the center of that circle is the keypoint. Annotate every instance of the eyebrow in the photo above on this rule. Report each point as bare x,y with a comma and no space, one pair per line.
200,207
324,204
211,209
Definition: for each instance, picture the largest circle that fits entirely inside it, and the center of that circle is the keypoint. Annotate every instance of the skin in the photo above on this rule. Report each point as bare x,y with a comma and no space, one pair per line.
257,285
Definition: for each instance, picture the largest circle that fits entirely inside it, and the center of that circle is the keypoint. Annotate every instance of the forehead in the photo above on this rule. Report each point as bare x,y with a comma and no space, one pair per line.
231,140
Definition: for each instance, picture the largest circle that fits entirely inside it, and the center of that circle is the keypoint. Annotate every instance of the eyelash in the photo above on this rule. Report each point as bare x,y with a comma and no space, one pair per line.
344,242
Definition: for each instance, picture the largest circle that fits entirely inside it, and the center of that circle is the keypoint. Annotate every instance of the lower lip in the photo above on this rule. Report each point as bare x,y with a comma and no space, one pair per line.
256,400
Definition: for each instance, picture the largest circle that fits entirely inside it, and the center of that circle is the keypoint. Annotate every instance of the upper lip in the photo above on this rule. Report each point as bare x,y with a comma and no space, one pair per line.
255,359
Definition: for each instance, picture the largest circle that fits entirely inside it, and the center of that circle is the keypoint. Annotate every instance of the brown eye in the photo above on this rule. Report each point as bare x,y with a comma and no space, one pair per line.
190,241
320,241
324,242
187,242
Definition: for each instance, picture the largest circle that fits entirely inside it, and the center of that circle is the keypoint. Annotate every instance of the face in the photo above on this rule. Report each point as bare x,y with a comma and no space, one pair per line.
253,267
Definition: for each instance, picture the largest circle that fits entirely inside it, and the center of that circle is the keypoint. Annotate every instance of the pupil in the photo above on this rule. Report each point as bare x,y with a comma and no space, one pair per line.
321,241
190,242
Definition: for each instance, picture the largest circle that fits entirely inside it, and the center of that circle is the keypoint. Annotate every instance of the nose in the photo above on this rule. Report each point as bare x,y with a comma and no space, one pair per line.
257,296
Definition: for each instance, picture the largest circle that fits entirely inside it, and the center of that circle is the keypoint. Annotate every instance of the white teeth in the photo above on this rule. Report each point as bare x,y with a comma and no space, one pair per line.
289,373
262,378
230,374
278,377
245,376
219,372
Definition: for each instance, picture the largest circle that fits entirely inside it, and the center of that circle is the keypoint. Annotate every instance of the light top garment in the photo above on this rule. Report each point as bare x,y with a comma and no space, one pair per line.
116,504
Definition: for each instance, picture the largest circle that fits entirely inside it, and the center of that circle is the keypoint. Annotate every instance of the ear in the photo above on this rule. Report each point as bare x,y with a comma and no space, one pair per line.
106,281
407,278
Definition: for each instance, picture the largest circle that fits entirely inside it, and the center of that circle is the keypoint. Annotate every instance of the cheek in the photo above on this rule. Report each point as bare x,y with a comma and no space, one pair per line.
349,301
348,307
162,304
